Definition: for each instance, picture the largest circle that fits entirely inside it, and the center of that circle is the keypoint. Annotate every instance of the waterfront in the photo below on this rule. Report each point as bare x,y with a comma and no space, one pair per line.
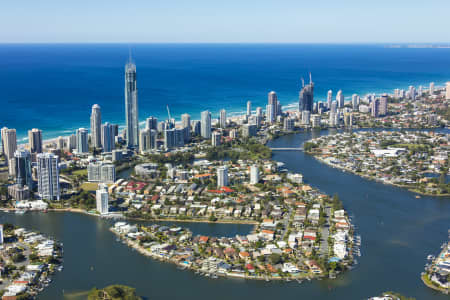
193,77
397,230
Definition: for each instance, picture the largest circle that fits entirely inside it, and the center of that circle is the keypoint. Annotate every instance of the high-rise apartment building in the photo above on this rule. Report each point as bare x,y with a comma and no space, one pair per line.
48,176
96,123
131,106
35,140
206,124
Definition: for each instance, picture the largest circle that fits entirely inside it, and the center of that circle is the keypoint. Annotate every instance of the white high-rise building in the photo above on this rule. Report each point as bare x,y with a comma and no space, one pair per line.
186,125
272,107
9,142
340,99
412,92
131,106
48,176
223,118
82,141
259,112
205,126
71,142
151,123
222,176
431,89
249,108
107,137
60,141
101,172
35,140
1,234
96,123
355,101
254,174
102,199
147,140
329,98
447,90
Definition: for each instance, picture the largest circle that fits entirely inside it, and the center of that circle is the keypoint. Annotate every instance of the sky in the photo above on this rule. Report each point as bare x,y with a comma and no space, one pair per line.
225,21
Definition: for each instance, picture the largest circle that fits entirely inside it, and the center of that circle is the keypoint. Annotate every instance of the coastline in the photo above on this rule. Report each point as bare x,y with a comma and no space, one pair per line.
425,280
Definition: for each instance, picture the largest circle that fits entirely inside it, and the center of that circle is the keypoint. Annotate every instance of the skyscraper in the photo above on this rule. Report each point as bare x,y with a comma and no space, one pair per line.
35,140
9,142
107,137
431,90
223,118
222,176
131,106
375,108
306,96
383,106
48,176
186,125
71,142
206,124
145,140
82,141
249,108
151,123
329,98
272,101
340,99
173,138
23,168
96,123
355,101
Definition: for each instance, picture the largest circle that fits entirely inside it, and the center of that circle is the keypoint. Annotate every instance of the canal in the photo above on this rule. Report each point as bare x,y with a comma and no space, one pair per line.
398,232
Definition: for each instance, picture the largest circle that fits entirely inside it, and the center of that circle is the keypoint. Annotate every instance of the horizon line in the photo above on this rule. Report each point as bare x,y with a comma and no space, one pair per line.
225,43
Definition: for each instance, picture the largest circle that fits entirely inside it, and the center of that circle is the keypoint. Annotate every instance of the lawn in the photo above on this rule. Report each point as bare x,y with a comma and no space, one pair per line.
82,172
89,186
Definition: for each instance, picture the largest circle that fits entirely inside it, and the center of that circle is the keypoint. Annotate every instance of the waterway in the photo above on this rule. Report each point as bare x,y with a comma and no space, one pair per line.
398,232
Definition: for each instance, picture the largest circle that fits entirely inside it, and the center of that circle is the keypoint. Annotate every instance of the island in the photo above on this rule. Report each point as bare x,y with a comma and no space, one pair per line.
27,260
114,292
416,160
437,270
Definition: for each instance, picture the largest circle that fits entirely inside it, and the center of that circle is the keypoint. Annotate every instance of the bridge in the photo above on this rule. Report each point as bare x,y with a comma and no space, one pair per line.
286,149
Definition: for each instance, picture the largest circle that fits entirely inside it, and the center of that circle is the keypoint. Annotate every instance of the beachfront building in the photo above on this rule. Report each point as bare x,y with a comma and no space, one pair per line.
223,118
306,96
249,108
206,124
9,143
447,91
131,106
151,123
48,176
96,123
186,125
271,108
329,98
340,99
35,140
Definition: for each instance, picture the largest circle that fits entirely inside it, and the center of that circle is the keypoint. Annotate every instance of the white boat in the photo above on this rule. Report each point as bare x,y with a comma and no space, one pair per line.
20,211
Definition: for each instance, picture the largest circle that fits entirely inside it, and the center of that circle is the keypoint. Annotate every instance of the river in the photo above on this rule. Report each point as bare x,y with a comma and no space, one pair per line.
398,232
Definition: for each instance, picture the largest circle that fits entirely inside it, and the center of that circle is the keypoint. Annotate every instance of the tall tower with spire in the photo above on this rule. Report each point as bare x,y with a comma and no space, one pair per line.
306,96
131,105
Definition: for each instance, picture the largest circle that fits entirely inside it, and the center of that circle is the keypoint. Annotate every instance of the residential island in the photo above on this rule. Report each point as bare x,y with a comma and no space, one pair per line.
27,260
416,160
437,270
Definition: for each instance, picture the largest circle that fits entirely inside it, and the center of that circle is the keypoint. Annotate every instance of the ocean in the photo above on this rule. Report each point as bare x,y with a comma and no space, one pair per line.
53,86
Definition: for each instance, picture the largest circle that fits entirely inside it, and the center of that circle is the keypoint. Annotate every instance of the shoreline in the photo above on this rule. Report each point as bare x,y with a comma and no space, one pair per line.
431,286
146,253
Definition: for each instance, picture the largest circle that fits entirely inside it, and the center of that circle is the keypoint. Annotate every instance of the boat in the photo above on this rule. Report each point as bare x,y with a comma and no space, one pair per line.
20,211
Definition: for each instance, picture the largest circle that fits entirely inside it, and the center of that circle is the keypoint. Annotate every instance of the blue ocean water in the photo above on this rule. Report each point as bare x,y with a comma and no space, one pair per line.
52,87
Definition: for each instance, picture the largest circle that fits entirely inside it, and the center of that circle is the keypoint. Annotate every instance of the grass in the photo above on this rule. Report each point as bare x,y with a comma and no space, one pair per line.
89,186
82,172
